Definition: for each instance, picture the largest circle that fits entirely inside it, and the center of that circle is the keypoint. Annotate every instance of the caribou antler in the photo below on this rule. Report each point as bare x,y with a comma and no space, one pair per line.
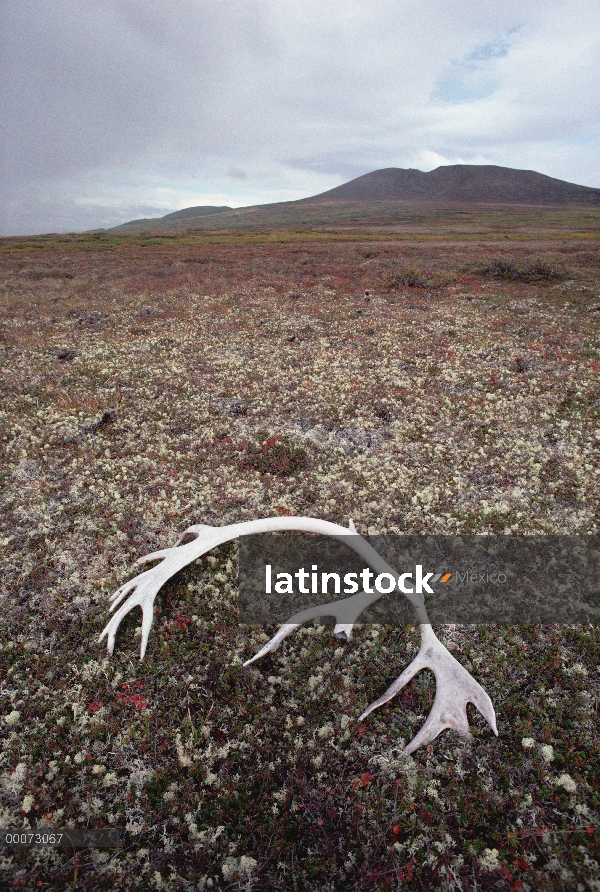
455,686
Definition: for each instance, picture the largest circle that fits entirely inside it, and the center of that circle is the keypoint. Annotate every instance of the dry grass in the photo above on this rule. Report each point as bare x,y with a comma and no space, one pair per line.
221,378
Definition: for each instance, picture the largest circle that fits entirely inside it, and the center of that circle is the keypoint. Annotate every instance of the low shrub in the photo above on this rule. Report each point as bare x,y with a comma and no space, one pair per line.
408,276
533,271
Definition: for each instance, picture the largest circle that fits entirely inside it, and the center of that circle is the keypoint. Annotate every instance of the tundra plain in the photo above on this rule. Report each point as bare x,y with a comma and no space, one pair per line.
437,373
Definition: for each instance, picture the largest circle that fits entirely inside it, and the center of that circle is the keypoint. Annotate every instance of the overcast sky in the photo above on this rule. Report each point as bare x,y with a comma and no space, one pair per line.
118,109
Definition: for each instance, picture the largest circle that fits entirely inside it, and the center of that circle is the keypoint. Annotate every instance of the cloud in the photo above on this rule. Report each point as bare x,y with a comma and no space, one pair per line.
475,76
109,108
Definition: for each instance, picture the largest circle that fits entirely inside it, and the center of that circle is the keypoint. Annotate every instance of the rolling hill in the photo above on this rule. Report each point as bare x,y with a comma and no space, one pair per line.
463,183
384,193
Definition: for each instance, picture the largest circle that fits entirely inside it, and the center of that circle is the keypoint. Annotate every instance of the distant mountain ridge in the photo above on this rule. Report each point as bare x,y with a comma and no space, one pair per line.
461,182
202,210
467,184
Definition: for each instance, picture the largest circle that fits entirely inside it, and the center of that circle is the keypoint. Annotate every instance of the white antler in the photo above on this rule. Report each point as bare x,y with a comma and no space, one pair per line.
455,687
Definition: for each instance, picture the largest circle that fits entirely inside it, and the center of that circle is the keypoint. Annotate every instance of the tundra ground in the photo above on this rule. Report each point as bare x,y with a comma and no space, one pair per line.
418,381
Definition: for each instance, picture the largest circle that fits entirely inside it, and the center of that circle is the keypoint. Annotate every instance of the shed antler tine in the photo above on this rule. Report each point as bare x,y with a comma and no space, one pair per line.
109,630
117,597
153,556
483,702
283,632
393,689
147,617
